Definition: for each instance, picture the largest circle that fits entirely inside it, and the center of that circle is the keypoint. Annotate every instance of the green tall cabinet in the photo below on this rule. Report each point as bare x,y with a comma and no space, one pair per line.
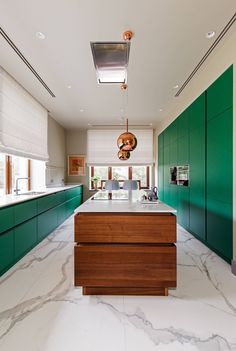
202,137
197,160
219,172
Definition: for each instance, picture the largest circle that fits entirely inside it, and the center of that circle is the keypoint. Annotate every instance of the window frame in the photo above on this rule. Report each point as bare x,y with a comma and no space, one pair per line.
92,187
8,175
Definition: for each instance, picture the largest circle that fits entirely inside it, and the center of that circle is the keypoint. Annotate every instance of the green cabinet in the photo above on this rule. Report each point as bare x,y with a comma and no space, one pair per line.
25,237
160,166
183,206
47,202
25,211
220,94
203,138
6,219
197,161
220,183
6,250
47,222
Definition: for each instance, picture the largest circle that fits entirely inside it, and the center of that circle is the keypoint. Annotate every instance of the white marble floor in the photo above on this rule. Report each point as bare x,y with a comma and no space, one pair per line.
40,310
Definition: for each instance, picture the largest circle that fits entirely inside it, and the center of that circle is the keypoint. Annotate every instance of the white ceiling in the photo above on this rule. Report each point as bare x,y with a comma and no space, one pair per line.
169,40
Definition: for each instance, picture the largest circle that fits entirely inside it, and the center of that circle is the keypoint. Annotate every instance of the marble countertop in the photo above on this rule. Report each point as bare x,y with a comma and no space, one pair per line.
12,199
130,201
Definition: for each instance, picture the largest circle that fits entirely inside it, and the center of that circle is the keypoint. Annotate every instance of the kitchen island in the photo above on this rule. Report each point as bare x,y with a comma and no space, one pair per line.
124,246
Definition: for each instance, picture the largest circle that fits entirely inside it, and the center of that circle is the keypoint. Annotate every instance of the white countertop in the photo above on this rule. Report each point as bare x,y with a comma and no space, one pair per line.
132,203
12,199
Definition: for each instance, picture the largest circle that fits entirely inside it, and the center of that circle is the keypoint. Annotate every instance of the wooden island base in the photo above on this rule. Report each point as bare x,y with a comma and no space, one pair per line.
125,291
125,253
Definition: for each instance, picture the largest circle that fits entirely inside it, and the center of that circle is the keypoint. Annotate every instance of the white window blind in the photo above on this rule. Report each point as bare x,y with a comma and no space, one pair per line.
23,121
102,148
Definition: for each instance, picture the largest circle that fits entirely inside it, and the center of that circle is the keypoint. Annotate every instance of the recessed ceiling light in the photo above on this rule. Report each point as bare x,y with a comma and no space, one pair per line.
150,124
160,109
210,34
176,86
40,35
69,86
89,124
81,110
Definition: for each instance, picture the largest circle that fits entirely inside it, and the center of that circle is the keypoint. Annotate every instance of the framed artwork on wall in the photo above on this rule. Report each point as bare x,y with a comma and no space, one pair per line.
76,165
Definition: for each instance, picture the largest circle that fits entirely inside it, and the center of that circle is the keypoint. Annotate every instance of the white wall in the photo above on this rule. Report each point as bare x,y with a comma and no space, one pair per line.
55,167
76,144
216,64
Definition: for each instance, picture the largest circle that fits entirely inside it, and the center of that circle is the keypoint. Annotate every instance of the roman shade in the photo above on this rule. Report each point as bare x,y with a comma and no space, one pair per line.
23,121
102,148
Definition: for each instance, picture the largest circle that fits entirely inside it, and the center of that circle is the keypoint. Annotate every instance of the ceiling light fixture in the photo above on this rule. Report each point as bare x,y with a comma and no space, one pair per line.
69,86
176,86
160,109
81,110
40,35
210,34
111,60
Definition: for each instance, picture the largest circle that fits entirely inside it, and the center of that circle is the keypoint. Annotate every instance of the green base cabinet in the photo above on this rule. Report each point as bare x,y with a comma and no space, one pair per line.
25,237
24,225
6,250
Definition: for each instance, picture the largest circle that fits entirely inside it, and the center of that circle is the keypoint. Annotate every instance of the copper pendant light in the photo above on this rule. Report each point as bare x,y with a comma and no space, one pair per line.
127,141
123,155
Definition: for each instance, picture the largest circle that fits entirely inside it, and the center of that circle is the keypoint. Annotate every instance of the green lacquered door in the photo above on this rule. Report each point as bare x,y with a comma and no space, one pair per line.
6,250
197,193
220,183
161,167
183,206
47,222
25,237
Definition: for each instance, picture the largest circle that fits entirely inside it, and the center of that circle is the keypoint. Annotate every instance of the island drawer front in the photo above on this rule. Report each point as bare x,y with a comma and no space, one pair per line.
125,265
116,228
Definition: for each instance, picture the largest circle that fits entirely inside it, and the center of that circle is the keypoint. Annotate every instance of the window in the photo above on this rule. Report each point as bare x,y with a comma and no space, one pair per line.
100,172
141,173
11,168
2,174
19,170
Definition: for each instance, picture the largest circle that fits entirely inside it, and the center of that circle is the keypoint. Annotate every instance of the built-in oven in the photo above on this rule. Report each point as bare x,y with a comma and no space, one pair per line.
183,175
173,175
179,175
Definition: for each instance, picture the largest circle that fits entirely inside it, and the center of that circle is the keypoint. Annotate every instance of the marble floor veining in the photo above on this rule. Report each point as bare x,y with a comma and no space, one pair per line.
40,310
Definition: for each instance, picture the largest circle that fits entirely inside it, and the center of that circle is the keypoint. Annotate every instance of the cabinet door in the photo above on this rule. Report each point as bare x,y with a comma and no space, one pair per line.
220,183
197,160
25,237
24,211
183,206
47,202
183,151
47,222
6,250
61,213
6,218
161,173
220,94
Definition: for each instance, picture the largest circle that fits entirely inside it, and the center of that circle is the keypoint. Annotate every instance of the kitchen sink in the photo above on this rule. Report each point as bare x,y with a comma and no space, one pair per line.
33,193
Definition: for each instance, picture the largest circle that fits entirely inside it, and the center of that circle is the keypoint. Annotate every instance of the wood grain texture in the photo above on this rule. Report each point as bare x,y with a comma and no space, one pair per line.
125,265
125,228
88,290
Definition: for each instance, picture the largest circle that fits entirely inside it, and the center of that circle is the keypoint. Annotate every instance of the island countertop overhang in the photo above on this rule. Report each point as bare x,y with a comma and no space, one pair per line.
131,205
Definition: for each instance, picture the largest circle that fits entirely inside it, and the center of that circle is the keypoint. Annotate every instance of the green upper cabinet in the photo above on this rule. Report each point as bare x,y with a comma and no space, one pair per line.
220,157
160,141
6,218
183,124
220,94
24,211
173,132
183,151
196,113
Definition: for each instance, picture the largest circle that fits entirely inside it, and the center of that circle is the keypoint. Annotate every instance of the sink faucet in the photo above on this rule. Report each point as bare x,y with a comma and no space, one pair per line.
17,180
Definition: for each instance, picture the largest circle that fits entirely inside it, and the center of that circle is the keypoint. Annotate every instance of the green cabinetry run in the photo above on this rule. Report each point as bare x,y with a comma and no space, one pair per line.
202,137
24,225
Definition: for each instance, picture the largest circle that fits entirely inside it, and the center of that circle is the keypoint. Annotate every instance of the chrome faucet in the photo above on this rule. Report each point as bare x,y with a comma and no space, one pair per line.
17,180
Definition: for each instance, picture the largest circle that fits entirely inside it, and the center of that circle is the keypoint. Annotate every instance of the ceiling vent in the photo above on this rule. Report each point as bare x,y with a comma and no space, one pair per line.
111,61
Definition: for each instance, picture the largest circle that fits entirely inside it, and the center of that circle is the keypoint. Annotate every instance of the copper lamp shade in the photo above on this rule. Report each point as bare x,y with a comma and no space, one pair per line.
123,155
127,141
